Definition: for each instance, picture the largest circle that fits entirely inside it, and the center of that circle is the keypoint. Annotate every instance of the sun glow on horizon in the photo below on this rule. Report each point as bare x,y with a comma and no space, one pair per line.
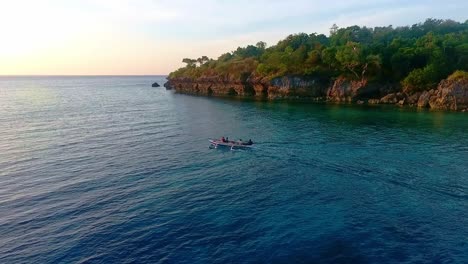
62,40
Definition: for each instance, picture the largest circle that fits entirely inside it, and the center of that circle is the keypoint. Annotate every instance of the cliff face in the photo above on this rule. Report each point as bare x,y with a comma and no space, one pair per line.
295,88
340,90
213,86
449,95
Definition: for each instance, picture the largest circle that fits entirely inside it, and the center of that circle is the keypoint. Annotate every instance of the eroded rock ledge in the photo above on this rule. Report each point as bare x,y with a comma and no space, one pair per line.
449,95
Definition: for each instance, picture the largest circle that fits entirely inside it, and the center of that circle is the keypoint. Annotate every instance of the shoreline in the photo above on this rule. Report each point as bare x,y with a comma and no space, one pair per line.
306,101
450,94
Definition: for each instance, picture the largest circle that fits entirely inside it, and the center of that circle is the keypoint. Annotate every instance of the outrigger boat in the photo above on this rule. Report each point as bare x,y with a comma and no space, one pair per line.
231,144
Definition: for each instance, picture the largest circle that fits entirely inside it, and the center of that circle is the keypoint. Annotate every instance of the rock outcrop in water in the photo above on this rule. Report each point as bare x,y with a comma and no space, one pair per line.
449,95
155,84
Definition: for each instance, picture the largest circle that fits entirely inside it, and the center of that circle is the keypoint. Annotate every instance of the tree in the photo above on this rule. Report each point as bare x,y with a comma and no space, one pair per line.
350,57
261,45
190,62
205,59
329,57
313,58
202,60
420,79
225,57
372,62
417,56
333,29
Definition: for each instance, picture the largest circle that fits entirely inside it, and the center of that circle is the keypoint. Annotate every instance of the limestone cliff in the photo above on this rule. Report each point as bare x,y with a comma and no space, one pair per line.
449,95
288,87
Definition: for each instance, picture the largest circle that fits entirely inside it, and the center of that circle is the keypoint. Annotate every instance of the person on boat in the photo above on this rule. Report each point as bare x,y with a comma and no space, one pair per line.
240,141
223,139
250,142
227,139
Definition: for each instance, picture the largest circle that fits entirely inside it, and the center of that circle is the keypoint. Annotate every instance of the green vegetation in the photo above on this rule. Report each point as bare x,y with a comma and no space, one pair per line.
417,56
458,75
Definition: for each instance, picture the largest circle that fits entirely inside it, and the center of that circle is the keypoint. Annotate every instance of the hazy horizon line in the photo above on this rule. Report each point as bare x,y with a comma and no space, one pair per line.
80,75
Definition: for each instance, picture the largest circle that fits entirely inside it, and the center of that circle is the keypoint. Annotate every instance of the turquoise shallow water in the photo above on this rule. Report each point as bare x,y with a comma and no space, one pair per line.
108,169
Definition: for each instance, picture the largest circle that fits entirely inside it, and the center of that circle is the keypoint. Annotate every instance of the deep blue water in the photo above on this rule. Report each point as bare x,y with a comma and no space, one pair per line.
111,170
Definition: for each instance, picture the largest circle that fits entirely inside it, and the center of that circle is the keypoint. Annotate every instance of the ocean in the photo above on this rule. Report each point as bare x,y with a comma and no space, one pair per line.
108,169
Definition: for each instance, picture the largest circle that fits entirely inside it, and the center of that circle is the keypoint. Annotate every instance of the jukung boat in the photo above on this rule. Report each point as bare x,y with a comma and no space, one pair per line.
231,144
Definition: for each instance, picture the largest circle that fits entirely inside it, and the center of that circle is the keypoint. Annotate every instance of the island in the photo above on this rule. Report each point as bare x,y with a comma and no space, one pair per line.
423,65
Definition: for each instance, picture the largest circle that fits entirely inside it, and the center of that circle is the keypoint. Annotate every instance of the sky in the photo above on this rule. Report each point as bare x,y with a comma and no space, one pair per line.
151,37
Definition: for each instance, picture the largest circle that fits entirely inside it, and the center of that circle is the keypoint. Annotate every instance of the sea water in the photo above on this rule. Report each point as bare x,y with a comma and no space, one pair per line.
112,170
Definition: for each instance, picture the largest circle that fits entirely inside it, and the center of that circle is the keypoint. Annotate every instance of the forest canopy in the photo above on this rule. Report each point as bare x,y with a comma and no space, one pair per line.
417,56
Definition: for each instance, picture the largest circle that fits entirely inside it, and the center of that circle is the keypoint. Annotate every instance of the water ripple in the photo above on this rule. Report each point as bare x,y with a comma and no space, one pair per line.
109,169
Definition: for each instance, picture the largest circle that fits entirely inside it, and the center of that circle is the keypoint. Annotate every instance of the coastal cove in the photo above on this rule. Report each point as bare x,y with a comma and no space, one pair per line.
424,65
108,169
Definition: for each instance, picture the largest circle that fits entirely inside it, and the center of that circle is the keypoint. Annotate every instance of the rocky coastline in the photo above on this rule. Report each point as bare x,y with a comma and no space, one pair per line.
450,94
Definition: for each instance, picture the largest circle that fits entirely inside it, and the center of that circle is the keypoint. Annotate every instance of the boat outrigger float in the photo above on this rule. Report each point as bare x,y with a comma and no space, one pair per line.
231,144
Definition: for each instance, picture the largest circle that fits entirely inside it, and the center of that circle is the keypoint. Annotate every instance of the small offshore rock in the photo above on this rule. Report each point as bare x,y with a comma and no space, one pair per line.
155,84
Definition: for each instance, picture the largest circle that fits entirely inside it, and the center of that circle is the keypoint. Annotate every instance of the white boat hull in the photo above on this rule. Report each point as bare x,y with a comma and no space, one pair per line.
232,145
